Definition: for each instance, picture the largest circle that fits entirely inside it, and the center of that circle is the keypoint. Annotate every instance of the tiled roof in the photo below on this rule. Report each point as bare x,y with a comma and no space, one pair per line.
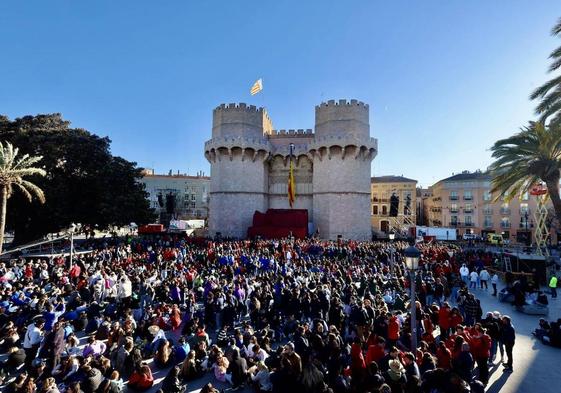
391,179
469,176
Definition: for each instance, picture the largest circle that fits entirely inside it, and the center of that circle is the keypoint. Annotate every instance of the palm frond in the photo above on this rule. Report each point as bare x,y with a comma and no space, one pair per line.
14,168
29,189
525,158
541,91
556,30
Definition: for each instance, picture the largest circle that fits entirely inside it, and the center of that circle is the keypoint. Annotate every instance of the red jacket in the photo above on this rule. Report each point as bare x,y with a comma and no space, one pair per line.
357,357
481,346
444,318
444,358
393,328
374,354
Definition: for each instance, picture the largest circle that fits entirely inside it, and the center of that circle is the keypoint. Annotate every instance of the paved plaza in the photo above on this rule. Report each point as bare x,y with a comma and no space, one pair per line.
536,366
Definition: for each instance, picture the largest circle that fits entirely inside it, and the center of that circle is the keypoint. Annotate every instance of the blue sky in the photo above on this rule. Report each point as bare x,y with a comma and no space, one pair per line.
444,79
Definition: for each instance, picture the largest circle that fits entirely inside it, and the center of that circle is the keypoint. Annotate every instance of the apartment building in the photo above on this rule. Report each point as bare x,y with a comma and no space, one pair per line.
382,188
464,201
178,196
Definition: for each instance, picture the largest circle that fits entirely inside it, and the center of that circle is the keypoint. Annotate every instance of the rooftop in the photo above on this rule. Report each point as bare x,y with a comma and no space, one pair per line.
478,175
391,179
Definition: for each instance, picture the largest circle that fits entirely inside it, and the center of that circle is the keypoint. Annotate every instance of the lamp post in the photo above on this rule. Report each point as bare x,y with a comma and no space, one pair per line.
412,255
391,236
72,230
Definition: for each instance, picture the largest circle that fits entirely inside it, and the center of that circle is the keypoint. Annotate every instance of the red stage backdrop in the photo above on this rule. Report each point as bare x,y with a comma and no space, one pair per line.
279,223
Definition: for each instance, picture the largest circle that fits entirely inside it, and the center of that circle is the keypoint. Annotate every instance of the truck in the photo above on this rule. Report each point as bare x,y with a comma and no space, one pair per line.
437,233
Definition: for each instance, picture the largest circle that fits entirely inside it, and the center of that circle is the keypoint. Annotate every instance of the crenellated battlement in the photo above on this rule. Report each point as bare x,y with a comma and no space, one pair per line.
242,106
240,119
342,102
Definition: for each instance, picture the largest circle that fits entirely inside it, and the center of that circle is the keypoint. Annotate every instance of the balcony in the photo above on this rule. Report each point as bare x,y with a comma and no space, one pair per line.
528,226
435,209
455,224
488,212
488,225
454,210
505,210
468,198
453,197
468,210
469,224
505,225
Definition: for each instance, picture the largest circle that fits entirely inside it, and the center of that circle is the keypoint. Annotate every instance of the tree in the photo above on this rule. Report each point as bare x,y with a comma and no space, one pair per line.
527,158
85,183
14,170
550,92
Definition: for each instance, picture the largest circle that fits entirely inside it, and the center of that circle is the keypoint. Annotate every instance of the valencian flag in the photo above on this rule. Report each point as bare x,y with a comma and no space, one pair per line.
291,184
257,87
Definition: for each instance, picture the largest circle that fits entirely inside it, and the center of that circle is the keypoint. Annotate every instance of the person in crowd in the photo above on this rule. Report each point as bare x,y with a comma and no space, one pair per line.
141,379
508,338
553,286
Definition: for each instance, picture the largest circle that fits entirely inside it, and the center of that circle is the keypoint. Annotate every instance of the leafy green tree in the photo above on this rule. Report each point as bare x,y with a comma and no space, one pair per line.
527,158
85,183
14,169
549,93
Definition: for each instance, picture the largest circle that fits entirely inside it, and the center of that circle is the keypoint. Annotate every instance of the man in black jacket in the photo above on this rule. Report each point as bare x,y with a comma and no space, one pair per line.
494,331
508,337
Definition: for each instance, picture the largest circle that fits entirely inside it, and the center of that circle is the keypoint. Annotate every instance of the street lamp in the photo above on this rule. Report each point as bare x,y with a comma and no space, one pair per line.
72,230
412,255
391,236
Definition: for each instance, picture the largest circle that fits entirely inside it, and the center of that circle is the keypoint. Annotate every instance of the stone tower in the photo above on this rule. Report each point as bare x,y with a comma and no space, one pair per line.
342,151
249,169
237,154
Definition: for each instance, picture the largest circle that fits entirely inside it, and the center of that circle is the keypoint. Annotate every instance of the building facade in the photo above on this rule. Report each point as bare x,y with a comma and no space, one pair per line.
177,196
423,196
464,201
250,164
382,188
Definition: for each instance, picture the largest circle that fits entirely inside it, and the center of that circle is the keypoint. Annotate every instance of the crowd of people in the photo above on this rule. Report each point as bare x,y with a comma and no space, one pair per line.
280,316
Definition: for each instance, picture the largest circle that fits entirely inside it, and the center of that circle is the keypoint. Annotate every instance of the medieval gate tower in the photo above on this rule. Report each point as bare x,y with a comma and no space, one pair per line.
250,163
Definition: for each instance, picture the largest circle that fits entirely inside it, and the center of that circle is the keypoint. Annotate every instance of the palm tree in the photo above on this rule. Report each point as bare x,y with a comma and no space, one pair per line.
13,170
550,92
526,159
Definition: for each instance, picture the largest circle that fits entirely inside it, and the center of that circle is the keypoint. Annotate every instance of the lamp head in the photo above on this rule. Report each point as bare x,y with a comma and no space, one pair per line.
412,255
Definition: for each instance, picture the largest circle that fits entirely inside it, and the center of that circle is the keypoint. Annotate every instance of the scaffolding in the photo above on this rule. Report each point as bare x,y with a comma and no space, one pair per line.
400,225
541,234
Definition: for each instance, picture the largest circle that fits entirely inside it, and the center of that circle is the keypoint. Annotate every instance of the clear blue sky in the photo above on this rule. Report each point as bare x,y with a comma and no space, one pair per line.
444,79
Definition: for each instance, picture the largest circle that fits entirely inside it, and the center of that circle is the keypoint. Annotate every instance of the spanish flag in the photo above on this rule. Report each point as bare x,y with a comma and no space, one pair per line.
257,87
291,185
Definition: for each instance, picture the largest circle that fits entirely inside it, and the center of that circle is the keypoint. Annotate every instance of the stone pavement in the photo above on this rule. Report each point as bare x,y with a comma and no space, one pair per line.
536,366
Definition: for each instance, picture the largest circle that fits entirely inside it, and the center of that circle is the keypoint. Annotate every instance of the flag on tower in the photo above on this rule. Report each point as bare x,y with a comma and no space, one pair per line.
291,185
257,87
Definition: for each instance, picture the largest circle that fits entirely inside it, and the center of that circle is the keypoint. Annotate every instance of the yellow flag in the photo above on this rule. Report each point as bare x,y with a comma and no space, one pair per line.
257,87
